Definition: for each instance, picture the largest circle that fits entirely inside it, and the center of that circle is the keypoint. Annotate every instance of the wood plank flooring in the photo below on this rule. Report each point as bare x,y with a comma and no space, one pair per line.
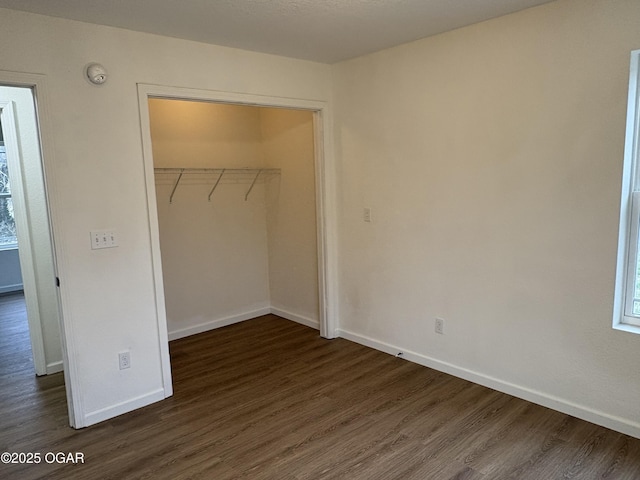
269,399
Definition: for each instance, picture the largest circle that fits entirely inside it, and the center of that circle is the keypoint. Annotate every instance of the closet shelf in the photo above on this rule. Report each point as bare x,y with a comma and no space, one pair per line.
212,176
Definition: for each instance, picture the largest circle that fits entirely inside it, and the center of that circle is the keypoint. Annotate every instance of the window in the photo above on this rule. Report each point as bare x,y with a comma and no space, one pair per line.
8,237
627,293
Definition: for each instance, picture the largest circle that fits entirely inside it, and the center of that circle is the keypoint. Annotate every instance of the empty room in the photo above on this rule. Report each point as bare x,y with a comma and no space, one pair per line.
320,240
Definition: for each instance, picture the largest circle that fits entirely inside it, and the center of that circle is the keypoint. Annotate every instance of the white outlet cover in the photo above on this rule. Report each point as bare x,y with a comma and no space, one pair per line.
124,360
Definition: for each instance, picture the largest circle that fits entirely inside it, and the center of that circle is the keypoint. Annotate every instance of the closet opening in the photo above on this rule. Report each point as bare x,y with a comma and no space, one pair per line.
238,206
235,195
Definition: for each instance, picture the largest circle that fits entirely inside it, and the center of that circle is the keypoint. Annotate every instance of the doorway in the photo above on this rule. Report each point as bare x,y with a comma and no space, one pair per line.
324,198
25,230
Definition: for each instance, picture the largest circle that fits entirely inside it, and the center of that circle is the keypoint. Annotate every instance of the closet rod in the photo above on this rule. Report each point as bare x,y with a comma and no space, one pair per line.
231,175
210,171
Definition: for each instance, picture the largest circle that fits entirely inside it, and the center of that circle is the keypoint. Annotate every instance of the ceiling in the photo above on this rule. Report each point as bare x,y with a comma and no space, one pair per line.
324,31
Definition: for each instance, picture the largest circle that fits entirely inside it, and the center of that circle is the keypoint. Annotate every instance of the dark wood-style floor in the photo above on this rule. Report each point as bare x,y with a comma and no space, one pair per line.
269,399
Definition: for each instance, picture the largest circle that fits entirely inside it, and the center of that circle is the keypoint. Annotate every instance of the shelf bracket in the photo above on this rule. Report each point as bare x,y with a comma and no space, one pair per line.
252,184
176,186
216,184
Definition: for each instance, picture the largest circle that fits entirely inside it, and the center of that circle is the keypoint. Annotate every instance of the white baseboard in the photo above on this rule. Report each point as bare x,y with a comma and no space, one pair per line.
11,288
618,424
241,317
122,408
54,367
217,323
309,322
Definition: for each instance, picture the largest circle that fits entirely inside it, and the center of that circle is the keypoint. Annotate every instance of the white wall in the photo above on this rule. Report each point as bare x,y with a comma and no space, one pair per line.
491,157
205,134
293,254
10,276
97,181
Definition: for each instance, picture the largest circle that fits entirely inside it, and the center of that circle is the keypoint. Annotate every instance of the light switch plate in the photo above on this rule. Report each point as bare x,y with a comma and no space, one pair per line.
367,214
103,239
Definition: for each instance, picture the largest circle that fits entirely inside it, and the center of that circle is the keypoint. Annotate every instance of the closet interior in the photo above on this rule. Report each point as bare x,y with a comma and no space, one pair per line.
235,191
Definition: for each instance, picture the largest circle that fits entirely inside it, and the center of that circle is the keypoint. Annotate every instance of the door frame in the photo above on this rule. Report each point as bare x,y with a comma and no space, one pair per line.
325,195
37,83
27,267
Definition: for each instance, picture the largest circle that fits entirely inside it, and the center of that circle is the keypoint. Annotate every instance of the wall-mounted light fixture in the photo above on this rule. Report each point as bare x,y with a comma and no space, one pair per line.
96,73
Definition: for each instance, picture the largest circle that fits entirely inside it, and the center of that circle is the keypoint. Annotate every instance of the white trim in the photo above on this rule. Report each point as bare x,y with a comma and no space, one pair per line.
27,267
242,317
325,181
217,323
8,246
98,416
294,317
580,411
16,287
234,98
38,83
326,222
55,367
631,262
154,239
75,398
630,182
625,327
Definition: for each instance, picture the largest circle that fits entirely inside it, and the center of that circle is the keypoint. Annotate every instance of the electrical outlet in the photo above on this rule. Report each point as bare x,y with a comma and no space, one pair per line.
124,358
440,326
